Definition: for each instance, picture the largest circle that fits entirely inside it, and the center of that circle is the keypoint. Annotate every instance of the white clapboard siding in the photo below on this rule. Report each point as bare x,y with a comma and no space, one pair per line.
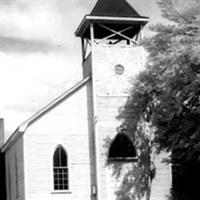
68,125
161,185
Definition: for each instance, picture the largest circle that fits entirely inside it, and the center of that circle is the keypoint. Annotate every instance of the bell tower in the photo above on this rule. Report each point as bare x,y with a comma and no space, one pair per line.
111,54
110,37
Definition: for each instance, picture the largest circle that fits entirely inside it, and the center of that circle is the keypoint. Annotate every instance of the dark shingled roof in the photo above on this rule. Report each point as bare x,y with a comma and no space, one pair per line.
114,8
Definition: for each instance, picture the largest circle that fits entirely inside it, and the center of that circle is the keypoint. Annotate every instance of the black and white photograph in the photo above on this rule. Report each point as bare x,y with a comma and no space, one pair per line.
99,99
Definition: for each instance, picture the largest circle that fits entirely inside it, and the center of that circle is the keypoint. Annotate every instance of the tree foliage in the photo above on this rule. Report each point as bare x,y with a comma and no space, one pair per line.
167,93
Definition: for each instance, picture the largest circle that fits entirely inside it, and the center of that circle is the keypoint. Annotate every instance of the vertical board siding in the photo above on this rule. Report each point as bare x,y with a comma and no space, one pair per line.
15,171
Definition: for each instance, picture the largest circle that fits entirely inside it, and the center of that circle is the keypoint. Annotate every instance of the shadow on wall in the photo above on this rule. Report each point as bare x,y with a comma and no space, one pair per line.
135,171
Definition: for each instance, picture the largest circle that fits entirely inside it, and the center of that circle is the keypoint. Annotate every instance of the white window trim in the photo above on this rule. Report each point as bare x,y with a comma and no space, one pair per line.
53,191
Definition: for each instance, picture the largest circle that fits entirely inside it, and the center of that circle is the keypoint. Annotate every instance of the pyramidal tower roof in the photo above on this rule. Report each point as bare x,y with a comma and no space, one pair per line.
113,12
114,8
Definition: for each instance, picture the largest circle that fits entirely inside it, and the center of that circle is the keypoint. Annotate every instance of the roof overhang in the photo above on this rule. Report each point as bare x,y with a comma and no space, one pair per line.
106,19
23,127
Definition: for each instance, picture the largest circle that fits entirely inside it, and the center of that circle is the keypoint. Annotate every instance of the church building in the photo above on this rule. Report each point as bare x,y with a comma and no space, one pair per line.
75,148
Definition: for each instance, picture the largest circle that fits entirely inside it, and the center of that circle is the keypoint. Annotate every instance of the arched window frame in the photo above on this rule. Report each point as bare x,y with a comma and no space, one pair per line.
122,158
61,170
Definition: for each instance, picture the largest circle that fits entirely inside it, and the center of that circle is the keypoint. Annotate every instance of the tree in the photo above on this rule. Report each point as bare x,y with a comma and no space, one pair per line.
165,98
167,93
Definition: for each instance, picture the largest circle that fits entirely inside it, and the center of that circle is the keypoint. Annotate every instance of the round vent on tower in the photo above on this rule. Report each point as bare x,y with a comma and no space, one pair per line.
119,69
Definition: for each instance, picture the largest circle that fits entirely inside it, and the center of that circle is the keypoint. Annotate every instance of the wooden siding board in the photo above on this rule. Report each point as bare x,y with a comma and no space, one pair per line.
15,153
67,125
162,183
112,93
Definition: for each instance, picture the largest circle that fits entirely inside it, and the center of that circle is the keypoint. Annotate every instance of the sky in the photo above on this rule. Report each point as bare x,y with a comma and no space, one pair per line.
40,57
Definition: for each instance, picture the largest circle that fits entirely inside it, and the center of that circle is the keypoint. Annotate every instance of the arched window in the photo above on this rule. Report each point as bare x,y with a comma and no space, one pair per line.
60,169
121,149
